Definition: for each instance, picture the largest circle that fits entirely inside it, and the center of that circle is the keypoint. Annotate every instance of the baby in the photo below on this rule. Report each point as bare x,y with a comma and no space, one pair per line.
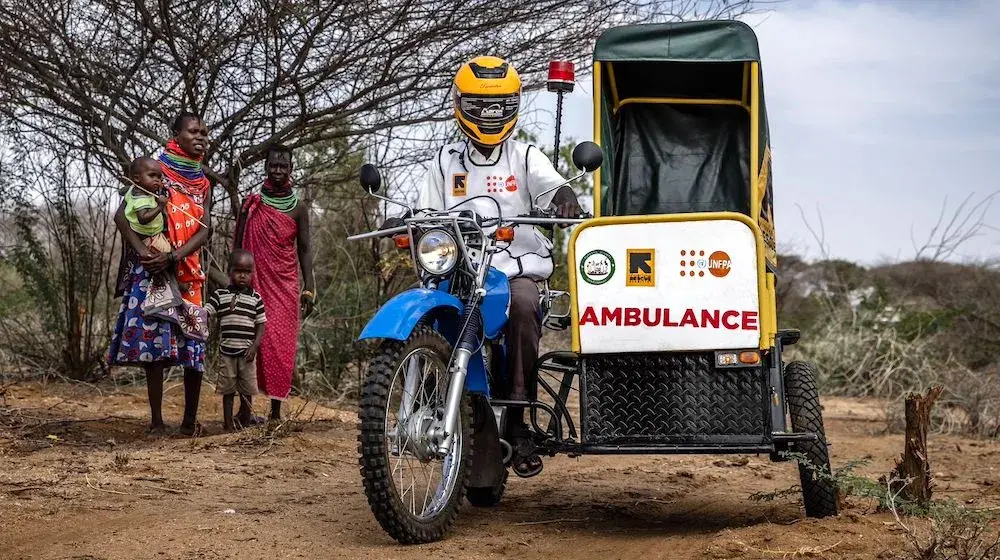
145,202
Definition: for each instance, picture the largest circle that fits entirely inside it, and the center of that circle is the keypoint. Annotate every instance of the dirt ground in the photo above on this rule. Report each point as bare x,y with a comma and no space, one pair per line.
79,479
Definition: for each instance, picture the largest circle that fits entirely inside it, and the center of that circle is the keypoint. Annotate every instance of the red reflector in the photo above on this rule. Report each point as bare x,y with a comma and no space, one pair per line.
561,76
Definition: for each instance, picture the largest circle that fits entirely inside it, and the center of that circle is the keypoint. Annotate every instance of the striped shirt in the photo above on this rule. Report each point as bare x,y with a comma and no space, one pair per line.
239,314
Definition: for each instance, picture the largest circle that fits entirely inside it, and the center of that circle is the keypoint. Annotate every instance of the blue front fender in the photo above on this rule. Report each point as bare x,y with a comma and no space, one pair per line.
400,315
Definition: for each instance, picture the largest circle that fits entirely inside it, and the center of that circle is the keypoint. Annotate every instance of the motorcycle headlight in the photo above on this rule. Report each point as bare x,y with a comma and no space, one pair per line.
437,252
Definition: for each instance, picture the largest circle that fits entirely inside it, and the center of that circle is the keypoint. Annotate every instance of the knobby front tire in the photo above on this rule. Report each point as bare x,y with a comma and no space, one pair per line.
391,474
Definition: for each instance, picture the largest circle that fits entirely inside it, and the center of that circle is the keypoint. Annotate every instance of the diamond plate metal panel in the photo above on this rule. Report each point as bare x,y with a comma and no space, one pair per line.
672,398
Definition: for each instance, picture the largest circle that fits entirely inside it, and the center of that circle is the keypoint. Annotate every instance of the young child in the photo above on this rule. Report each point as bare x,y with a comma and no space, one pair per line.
240,311
144,206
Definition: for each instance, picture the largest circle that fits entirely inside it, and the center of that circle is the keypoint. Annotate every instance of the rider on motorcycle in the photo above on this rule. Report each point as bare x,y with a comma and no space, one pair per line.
500,171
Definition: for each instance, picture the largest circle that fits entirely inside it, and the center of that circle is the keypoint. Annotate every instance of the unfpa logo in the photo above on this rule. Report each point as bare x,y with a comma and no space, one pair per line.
694,263
719,264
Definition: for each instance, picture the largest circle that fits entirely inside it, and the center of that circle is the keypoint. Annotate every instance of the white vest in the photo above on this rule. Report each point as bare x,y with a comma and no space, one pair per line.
513,175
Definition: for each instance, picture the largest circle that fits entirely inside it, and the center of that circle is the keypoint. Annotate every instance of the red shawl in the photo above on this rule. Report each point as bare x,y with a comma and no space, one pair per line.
272,237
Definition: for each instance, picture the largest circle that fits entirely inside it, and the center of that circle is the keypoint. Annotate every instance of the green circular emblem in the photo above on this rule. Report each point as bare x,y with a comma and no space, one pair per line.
597,267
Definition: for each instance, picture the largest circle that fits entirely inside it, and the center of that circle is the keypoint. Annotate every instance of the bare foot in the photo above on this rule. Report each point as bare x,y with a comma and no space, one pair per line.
157,430
193,430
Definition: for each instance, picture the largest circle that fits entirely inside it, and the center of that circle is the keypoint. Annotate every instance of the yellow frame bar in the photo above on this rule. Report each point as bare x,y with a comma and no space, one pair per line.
764,302
751,101
680,101
597,136
754,139
614,85
746,83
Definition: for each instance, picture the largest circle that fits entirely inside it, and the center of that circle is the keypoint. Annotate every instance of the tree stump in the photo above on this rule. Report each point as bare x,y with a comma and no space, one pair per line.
914,465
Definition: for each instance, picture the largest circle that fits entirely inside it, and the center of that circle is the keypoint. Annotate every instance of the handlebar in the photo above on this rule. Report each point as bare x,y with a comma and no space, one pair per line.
535,219
378,233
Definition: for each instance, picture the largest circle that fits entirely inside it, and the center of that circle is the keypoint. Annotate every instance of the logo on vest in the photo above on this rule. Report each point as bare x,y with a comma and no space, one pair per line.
497,184
458,184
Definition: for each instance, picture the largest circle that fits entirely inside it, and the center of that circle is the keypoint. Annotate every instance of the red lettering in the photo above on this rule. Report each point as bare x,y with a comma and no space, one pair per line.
609,315
666,319
651,317
710,318
632,316
730,315
651,322
689,318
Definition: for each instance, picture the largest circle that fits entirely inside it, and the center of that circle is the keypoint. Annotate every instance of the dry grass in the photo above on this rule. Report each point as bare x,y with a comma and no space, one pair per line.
858,354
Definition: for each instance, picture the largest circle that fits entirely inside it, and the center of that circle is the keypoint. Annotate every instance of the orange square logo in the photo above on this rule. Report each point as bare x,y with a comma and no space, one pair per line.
458,184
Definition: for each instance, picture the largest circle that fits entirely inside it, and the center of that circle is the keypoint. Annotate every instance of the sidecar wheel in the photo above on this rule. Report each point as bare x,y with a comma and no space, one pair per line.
408,500
819,494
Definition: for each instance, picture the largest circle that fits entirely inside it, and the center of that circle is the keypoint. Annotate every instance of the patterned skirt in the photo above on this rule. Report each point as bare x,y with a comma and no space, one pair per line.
139,341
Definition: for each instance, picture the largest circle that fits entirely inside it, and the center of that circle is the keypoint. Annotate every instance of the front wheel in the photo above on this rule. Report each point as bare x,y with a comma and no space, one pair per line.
818,492
414,491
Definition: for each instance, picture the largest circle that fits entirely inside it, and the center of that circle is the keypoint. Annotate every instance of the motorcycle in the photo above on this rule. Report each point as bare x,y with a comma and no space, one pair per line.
430,419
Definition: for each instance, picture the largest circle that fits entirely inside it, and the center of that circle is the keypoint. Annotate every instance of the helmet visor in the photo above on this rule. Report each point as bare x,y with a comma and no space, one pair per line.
489,111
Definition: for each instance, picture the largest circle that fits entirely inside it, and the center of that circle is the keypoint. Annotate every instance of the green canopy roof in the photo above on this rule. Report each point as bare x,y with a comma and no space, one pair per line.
693,41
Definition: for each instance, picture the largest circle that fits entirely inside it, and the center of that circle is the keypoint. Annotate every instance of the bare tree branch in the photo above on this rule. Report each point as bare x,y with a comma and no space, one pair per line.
294,71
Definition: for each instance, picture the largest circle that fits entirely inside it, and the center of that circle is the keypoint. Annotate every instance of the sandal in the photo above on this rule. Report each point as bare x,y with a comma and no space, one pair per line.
526,462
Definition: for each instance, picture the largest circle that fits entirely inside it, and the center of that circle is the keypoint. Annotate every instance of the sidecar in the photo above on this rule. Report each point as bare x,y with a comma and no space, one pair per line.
675,343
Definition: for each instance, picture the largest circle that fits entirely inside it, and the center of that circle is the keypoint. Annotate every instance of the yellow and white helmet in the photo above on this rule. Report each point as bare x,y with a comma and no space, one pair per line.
487,95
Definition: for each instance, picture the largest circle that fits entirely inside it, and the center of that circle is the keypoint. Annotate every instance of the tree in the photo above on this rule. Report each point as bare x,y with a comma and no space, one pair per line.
291,71
63,256
96,83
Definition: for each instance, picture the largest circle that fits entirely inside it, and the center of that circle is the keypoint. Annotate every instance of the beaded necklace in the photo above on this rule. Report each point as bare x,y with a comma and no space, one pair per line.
283,204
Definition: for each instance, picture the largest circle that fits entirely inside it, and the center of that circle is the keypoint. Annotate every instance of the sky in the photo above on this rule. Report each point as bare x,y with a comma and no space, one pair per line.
881,112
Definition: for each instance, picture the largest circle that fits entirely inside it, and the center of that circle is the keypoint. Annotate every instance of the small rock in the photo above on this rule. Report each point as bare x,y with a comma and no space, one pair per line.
111,442
229,511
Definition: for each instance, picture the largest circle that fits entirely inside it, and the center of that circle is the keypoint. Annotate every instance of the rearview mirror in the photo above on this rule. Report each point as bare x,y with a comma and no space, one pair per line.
371,179
587,156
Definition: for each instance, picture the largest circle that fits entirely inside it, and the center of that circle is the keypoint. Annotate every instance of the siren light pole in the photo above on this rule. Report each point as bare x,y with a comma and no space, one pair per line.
561,80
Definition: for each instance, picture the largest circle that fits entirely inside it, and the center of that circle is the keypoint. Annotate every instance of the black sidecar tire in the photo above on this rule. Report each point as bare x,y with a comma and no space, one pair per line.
819,494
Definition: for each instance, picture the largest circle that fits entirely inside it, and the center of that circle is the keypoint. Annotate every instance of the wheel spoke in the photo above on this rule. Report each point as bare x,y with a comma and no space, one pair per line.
416,397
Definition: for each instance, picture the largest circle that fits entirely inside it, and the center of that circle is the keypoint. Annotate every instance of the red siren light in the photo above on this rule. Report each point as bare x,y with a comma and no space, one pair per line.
561,76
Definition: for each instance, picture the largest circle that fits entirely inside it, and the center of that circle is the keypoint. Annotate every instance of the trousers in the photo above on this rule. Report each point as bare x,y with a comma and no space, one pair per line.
524,329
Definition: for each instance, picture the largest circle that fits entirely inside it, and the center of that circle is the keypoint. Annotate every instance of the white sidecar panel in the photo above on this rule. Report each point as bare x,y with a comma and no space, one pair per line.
666,286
